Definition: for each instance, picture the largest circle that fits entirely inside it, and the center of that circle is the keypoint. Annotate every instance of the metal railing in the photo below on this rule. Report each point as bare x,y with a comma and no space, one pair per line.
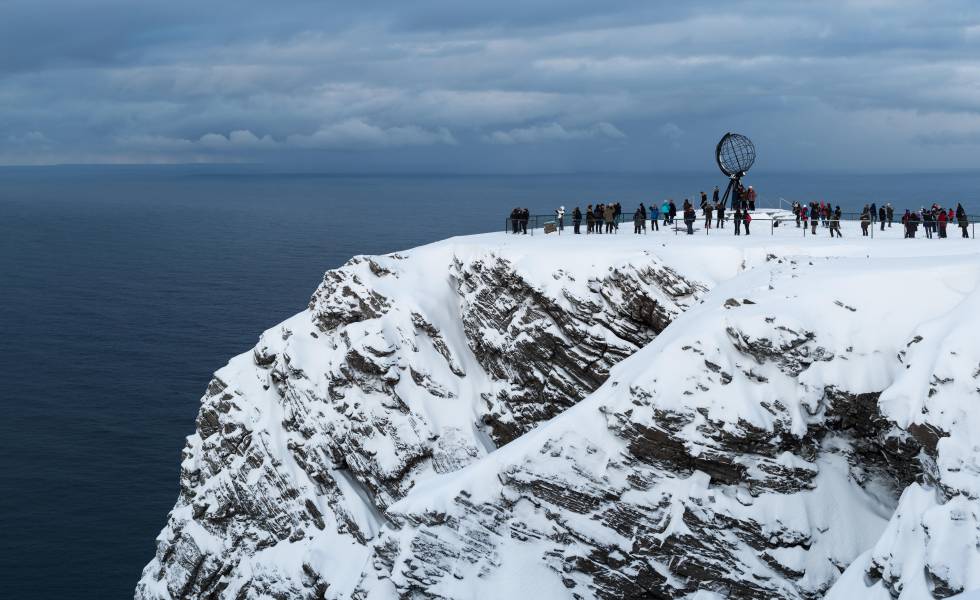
677,224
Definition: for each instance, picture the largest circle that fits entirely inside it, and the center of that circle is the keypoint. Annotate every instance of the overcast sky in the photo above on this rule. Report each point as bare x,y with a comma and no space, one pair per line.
502,86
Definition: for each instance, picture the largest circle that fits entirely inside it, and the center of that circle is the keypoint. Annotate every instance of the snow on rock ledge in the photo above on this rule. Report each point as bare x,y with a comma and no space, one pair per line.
501,417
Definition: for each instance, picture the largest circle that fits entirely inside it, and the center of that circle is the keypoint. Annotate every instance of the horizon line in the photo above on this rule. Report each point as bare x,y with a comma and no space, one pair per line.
272,169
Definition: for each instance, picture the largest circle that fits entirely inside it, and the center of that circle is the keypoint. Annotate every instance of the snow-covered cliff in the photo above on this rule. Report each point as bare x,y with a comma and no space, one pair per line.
607,416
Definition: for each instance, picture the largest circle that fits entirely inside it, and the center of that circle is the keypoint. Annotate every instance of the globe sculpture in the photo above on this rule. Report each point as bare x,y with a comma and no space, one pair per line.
735,155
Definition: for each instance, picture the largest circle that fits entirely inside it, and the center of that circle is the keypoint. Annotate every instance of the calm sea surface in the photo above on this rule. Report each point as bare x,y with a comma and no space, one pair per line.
123,289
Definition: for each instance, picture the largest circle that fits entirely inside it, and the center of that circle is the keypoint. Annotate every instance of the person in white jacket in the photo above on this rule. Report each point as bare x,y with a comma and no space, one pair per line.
560,218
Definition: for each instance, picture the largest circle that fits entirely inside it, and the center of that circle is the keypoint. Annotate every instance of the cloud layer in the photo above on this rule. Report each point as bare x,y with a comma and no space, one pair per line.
439,85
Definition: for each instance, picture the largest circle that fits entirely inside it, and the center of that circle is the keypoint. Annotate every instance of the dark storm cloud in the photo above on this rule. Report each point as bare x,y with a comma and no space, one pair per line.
510,85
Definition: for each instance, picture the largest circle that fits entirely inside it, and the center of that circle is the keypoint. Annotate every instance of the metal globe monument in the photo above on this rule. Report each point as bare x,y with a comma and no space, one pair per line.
735,155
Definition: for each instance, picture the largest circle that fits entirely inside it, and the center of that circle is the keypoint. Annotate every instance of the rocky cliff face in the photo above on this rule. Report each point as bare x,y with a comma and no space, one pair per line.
486,418
403,367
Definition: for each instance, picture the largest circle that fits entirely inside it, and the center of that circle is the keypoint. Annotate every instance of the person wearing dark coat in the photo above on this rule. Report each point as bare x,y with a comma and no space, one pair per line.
638,221
515,220
714,195
882,216
672,213
962,219
835,223
689,218
865,219
889,212
576,220
874,212
737,220
525,217
708,214
720,211
911,222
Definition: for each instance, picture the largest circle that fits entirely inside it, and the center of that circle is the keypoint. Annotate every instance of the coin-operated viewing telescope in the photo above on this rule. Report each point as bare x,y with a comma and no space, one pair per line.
735,155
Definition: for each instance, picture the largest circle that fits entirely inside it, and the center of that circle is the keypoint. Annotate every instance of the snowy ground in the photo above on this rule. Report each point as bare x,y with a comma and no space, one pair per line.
892,318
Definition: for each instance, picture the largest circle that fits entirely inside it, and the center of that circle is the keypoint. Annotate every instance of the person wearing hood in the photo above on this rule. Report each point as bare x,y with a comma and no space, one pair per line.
560,218
889,213
654,217
672,211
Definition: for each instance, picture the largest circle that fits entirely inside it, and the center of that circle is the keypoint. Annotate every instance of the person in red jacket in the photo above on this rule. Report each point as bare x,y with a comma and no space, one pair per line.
942,223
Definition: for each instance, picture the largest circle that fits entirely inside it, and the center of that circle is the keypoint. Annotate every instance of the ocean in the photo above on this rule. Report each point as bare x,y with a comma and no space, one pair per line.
123,288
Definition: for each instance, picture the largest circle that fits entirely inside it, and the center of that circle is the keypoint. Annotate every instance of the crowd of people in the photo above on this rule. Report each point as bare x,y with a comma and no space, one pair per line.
935,220
820,213
605,217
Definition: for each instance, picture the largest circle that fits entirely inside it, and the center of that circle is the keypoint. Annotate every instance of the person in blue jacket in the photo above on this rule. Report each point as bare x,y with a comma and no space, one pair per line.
654,217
